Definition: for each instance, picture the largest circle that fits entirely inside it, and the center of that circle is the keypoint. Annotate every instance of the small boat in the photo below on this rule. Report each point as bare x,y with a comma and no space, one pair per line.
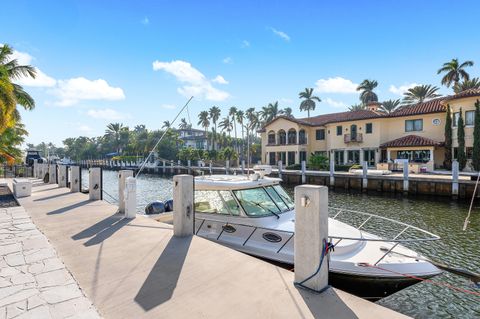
255,215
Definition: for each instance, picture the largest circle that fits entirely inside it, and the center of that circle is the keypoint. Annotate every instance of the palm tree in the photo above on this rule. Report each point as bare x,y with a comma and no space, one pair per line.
308,104
239,118
420,93
367,95
113,132
253,122
12,94
287,112
357,107
233,113
214,116
454,72
226,125
389,106
204,121
270,112
166,125
473,83
183,124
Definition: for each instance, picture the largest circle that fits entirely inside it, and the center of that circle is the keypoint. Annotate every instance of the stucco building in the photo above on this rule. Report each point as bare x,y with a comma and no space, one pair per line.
415,132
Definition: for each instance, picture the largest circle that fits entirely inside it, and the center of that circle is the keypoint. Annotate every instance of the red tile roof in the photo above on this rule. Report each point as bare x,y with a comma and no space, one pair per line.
466,93
411,140
432,106
342,117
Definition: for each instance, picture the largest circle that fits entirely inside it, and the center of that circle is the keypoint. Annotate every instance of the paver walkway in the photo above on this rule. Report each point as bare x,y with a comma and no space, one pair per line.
34,282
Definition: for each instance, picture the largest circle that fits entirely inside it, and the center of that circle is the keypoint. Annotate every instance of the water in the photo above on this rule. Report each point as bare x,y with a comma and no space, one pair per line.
439,216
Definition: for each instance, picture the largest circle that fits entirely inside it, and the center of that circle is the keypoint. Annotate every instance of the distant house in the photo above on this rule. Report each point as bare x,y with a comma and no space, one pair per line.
193,138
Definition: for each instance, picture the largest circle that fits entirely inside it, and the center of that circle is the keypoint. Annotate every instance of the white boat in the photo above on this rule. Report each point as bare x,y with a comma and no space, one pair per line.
256,216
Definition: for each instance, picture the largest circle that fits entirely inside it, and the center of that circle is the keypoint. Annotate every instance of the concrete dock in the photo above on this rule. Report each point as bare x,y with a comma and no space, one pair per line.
137,269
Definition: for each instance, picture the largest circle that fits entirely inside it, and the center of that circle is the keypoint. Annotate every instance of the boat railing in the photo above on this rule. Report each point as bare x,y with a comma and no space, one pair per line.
362,218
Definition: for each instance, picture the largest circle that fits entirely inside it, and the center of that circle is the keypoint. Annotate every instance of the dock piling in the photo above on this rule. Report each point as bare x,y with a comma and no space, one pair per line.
122,180
455,169
52,174
332,172
183,205
304,168
130,195
280,168
311,232
95,183
405,178
364,176
62,176
76,182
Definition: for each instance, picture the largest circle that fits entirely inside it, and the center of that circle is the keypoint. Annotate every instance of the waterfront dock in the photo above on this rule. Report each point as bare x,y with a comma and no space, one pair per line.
137,269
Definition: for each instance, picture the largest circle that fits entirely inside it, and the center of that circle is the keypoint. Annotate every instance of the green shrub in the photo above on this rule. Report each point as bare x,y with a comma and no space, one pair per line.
318,162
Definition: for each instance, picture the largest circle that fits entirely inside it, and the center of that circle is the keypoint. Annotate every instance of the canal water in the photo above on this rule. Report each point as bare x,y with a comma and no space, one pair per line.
437,215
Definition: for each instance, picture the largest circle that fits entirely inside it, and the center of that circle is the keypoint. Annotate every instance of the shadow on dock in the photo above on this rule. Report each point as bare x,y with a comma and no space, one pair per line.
102,230
68,208
162,279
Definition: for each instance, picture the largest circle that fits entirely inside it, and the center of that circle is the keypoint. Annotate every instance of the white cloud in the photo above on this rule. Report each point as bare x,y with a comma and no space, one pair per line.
337,104
281,34
286,100
71,91
84,129
168,106
145,21
40,80
106,114
245,44
227,60
196,83
336,85
220,80
402,88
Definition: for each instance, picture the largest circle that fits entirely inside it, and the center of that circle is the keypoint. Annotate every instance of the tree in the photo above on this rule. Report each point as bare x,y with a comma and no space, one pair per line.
240,118
389,106
214,116
454,71
447,162
420,93
270,112
113,133
183,124
226,125
233,113
476,138
166,125
367,95
357,107
473,83
308,103
287,112
462,157
12,94
204,121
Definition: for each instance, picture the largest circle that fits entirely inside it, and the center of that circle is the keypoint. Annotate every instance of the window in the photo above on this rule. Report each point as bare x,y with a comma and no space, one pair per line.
469,151
272,158
413,125
271,138
277,199
368,128
470,118
320,134
455,153
291,158
302,138
283,194
339,157
353,132
456,116
282,137
292,136
282,156
303,156
369,157
420,156
256,202
353,157
339,130
216,203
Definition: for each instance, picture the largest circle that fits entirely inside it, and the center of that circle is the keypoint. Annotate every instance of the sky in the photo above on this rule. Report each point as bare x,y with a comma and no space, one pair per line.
138,62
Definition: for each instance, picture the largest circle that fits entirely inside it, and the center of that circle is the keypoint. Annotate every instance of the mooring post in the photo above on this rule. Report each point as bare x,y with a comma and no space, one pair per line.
405,178
130,196
210,167
62,176
178,166
52,174
364,176
455,169
122,180
243,167
280,169
183,205
163,167
311,233
189,164
304,167
76,182
95,183
332,172
35,168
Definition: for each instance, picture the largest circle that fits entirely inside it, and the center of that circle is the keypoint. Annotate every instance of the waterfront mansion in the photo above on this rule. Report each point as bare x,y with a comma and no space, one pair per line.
415,132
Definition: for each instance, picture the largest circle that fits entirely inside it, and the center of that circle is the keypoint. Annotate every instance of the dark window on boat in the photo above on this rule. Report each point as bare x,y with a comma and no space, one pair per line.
320,134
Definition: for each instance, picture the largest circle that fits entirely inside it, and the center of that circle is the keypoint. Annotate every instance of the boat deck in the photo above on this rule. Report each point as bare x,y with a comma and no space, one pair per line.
137,269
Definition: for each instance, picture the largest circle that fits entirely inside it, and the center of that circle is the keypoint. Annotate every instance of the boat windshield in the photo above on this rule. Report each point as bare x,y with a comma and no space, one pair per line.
261,202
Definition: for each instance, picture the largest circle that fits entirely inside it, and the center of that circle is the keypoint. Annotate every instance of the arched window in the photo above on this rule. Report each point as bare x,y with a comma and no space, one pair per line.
292,136
302,137
271,138
282,137
353,132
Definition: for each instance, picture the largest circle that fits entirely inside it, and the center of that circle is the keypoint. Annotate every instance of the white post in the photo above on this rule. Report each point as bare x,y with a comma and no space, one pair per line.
332,172
35,168
227,167
122,179
243,167
62,176
75,183
183,208
130,196
455,169
52,174
280,167
95,183
304,167
405,177
311,231
164,164
189,166
178,166
210,167
364,175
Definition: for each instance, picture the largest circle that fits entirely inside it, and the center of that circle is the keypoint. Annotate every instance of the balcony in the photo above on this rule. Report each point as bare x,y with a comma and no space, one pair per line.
357,138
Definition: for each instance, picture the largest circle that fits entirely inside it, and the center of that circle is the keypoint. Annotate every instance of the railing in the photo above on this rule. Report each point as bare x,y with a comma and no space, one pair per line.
348,138
12,171
356,219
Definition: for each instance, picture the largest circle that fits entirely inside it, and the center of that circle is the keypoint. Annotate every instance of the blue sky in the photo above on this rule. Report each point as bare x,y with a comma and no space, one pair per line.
135,62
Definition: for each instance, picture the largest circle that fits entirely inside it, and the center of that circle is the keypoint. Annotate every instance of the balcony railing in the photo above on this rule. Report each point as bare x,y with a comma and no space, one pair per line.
357,138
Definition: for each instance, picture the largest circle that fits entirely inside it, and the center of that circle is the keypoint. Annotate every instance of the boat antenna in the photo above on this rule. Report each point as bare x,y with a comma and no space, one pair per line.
161,138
